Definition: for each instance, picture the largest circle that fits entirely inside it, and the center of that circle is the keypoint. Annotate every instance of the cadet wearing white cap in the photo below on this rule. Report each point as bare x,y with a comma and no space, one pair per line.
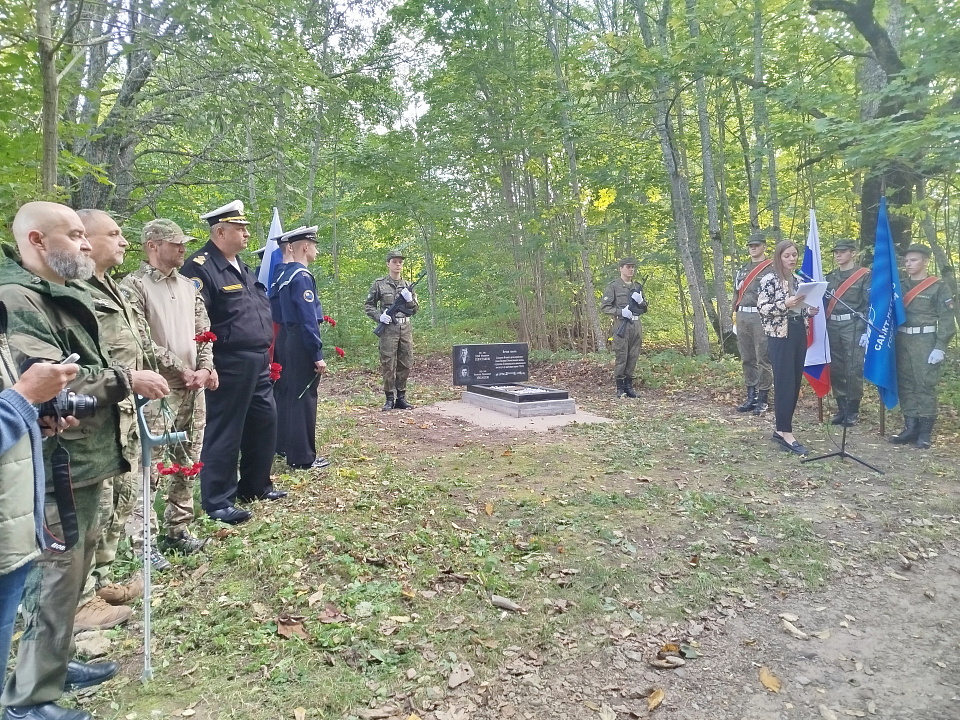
300,316
241,414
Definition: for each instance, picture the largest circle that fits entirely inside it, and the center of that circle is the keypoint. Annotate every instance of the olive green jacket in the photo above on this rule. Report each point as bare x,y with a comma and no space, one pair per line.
50,321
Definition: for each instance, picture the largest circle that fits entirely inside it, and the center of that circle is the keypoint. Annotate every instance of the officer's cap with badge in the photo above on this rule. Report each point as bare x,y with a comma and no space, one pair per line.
631,261
844,244
301,233
919,248
163,230
395,253
229,213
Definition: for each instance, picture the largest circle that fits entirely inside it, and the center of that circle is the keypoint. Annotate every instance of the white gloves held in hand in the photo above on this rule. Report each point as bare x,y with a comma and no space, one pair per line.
864,340
936,357
627,314
406,295
386,319
637,297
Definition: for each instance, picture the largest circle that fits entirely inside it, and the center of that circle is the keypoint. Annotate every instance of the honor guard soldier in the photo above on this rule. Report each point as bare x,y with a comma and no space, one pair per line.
623,300
849,288
921,342
396,342
751,340
303,364
241,414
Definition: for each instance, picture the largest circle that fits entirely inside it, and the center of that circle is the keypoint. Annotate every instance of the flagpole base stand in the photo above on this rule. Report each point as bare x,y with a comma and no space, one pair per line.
842,454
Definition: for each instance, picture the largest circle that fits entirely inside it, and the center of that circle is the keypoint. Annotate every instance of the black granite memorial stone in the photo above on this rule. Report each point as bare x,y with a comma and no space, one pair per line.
491,364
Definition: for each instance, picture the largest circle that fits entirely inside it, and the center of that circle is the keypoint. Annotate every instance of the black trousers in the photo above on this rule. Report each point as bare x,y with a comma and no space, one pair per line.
787,356
298,415
281,389
241,423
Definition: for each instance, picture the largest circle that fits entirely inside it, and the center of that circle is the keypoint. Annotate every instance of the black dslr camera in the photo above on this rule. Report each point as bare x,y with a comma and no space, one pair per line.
68,403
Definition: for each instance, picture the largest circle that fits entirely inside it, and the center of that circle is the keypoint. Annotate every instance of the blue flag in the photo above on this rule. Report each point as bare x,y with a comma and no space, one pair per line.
886,314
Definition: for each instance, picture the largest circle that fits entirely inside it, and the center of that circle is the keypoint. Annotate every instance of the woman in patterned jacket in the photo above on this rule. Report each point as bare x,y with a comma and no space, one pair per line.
784,320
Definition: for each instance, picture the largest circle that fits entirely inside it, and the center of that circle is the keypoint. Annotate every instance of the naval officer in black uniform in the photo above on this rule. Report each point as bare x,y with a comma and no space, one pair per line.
301,316
241,414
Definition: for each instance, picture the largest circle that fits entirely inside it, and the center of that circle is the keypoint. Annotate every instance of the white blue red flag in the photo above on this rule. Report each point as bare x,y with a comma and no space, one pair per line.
271,254
816,366
886,314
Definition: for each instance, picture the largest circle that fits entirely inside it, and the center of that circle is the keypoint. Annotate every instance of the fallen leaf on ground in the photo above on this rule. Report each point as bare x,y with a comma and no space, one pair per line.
488,508
794,630
200,571
330,614
299,713
655,698
380,713
770,681
504,603
789,617
316,597
460,674
290,625
606,713
827,714
822,634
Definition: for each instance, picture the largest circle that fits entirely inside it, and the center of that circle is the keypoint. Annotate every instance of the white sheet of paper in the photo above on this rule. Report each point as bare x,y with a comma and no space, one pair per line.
812,293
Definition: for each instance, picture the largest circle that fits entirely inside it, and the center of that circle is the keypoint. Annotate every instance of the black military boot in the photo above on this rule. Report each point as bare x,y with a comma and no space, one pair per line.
388,405
619,389
925,429
853,413
841,412
762,405
401,402
911,428
628,388
751,402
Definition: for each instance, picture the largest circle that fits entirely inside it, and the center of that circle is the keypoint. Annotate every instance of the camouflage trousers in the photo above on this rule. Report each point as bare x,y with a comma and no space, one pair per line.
754,356
916,378
846,359
396,356
187,411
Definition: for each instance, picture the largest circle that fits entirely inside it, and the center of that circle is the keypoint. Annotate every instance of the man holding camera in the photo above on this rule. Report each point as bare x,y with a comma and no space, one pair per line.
49,317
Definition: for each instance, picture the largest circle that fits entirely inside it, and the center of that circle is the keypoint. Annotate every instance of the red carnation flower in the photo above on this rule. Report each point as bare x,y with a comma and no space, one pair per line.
340,352
275,369
330,320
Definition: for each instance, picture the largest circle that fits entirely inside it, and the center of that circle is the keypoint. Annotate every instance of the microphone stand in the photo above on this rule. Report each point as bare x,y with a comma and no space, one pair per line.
842,452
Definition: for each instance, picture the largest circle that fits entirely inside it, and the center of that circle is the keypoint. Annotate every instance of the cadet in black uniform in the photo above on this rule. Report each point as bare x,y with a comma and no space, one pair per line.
241,415
301,315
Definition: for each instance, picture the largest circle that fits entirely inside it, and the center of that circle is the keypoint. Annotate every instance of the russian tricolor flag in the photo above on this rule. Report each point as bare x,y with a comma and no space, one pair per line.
816,366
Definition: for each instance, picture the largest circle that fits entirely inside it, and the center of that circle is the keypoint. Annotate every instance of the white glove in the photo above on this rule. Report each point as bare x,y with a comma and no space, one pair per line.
936,357
386,319
626,313
637,297
406,295
864,340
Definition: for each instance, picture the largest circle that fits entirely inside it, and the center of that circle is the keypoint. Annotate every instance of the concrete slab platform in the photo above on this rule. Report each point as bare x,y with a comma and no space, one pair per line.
490,419
535,408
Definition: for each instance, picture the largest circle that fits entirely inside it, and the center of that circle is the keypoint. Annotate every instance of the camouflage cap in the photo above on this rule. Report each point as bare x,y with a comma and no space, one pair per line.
844,245
395,253
164,230
757,239
628,261
919,248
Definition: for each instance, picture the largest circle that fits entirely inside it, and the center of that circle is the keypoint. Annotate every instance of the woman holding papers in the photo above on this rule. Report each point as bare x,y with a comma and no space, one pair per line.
784,319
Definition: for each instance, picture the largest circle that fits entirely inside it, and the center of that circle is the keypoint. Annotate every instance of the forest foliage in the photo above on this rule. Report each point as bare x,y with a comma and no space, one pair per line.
513,148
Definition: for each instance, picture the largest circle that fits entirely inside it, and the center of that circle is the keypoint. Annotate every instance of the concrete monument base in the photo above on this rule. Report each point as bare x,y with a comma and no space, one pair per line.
520,401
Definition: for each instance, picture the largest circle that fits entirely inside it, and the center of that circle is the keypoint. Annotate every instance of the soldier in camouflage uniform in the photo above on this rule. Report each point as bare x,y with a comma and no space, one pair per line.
751,340
176,315
623,301
122,328
396,342
850,285
921,343
49,317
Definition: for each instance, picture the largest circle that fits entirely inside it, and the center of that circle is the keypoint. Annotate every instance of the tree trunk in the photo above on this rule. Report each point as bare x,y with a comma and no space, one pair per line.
49,112
753,182
761,120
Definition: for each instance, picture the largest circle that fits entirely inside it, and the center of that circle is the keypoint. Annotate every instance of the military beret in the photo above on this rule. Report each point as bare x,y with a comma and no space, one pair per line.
628,261
395,253
919,248
844,245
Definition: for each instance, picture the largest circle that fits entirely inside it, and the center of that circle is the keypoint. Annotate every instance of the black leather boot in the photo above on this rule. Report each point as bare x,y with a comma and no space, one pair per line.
628,388
924,432
619,389
853,413
841,412
401,402
911,428
751,402
388,405
762,405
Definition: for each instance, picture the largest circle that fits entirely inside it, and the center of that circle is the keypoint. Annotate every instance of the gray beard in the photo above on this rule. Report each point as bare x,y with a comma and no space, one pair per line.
71,267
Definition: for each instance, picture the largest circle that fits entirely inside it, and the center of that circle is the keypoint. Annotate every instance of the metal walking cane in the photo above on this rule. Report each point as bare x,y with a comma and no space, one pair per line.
148,441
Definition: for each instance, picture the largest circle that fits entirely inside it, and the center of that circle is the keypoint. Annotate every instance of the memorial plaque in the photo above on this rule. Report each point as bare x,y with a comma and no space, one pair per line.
490,364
